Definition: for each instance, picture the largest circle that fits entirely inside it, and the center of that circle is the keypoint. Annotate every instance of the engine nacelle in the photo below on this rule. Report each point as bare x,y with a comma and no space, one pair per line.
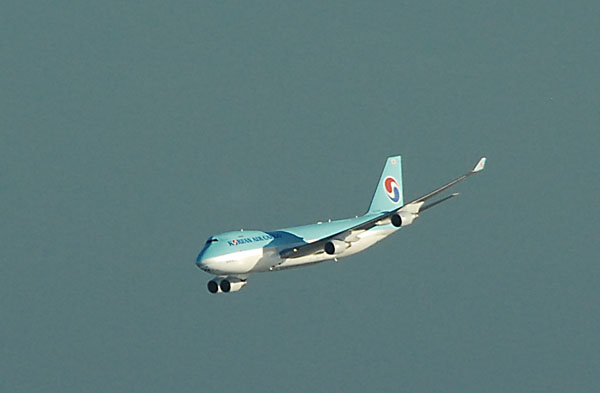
402,219
335,246
225,284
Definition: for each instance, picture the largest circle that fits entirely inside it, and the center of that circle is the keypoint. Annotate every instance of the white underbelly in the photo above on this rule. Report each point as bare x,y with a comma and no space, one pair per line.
236,263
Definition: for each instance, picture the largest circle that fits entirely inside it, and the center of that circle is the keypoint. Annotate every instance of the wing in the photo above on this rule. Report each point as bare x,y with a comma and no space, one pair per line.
478,168
411,209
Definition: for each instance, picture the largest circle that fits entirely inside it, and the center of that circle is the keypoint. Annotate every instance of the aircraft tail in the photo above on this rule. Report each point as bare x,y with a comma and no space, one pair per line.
389,194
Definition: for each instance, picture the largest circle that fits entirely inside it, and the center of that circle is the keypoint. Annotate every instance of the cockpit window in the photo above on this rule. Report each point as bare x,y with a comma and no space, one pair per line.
211,240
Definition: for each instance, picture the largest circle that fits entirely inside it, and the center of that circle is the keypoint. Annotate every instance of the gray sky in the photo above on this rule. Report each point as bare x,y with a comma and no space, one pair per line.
132,132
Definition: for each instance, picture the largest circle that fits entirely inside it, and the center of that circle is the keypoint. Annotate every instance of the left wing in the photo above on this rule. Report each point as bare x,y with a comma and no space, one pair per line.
410,209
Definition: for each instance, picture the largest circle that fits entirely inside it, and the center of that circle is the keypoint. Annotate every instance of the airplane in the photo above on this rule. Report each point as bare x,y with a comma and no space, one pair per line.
233,256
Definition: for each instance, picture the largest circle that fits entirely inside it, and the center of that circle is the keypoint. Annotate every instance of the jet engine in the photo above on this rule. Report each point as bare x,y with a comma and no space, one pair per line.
402,219
335,246
225,284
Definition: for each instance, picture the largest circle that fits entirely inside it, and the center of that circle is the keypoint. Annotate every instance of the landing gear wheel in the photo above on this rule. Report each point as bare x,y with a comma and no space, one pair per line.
225,286
213,287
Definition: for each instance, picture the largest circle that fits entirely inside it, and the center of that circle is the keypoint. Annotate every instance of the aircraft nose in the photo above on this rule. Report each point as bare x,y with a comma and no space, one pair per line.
200,259
203,266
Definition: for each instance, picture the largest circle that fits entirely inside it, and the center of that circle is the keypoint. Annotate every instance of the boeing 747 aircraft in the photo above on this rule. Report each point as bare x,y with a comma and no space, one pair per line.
233,256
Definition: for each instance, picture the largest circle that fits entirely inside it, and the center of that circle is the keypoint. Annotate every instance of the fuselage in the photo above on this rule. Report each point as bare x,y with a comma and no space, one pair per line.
249,251
233,256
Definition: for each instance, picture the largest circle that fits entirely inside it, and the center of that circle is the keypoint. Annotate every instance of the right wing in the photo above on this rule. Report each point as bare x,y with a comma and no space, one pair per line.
478,168
412,208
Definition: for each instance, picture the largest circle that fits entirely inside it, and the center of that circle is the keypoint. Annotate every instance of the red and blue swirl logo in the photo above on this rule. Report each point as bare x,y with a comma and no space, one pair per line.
392,189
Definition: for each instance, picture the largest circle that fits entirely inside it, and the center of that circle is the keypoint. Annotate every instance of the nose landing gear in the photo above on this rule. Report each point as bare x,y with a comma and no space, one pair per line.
225,284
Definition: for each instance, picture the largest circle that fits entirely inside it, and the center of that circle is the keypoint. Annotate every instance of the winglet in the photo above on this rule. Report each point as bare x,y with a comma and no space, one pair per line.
479,166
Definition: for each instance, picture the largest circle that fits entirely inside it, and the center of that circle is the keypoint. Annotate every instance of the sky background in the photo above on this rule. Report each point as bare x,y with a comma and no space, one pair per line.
132,131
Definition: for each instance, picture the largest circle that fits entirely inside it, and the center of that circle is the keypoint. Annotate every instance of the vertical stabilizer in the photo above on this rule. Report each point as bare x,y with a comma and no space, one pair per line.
388,194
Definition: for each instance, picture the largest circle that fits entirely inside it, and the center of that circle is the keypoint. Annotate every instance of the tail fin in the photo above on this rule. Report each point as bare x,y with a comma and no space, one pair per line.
388,194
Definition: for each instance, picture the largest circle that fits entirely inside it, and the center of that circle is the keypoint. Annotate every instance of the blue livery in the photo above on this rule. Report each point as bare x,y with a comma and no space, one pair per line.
233,256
